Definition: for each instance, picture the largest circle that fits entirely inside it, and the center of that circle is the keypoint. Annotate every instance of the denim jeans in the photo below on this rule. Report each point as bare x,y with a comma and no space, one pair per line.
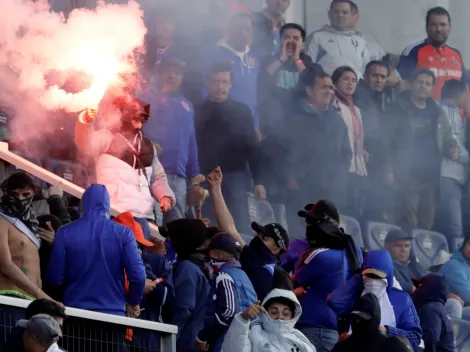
179,186
323,339
451,208
145,227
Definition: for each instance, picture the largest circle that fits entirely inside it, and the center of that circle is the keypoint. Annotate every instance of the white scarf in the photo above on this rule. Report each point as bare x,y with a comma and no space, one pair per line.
379,288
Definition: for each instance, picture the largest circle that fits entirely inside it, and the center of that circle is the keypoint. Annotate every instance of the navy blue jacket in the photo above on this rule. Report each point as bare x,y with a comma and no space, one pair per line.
259,264
191,294
320,271
89,257
429,300
343,299
171,125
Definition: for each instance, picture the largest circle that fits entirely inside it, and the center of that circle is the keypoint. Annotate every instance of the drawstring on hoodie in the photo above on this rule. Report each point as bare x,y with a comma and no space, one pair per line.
242,55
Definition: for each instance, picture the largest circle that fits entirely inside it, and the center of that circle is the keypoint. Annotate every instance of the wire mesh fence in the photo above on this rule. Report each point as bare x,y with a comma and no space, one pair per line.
85,335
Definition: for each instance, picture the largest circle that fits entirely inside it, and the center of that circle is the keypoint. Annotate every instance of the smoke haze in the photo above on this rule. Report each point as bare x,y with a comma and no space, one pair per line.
49,63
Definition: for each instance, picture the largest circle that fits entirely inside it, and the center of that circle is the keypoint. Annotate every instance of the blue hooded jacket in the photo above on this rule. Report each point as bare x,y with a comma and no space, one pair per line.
89,257
245,69
457,273
343,299
171,125
429,299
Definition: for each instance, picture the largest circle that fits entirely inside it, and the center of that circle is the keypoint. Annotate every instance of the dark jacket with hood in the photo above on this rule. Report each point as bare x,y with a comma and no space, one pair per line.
429,300
366,335
401,142
90,255
261,267
343,299
263,41
406,273
191,284
316,152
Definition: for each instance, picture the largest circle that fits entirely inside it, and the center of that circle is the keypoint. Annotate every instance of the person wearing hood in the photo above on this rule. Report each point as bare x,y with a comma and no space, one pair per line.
419,137
20,236
245,66
345,80
365,322
231,291
331,259
398,314
171,126
316,152
273,331
430,299
88,260
191,284
126,162
267,25
336,44
457,273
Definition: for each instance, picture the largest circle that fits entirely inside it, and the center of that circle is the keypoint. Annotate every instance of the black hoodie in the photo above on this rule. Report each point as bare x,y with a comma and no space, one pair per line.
366,335
429,300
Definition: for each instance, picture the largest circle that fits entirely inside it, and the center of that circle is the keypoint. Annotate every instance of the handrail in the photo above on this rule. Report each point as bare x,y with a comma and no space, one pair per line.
55,180
107,318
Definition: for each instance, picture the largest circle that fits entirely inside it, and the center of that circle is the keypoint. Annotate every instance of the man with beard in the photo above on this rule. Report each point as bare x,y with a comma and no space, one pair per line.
20,274
434,53
126,161
365,322
331,259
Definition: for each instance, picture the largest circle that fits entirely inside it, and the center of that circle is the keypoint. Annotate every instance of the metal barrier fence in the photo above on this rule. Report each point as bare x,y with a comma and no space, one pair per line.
86,331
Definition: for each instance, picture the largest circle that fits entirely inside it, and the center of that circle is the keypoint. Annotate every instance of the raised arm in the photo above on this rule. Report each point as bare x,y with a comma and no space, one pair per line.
222,214
87,139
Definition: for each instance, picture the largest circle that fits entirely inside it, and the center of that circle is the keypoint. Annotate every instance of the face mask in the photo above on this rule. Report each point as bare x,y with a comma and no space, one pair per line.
17,207
375,286
215,263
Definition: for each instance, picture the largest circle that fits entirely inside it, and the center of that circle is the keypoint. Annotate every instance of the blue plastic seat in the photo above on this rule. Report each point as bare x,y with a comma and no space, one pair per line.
427,246
352,227
462,334
68,170
375,232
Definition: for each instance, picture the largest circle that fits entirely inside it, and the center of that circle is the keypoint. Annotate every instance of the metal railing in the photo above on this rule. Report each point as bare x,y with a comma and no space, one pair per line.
87,331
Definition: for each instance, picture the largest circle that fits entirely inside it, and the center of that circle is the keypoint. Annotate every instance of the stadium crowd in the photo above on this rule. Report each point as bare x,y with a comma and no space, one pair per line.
314,126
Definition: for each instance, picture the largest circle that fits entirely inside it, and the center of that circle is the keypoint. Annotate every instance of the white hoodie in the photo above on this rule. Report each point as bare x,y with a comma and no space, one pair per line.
266,334
331,49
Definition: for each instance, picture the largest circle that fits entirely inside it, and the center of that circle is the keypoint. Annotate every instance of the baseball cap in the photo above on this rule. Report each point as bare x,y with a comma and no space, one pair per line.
323,210
366,306
127,219
171,61
225,242
45,327
275,231
376,272
394,235
363,315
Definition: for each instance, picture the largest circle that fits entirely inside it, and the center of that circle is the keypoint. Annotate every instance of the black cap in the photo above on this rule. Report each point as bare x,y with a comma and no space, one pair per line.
323,210
394,235
276,232
132,106
367,307
225,242
170,61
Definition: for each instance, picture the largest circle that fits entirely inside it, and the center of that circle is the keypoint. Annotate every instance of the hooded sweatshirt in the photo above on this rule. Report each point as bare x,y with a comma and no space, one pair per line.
429,300
90,255
266,334
245,68
332,48
366,335
407,323
457,273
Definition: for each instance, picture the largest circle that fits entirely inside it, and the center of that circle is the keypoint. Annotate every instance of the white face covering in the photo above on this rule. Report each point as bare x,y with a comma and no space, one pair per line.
375,286
378,287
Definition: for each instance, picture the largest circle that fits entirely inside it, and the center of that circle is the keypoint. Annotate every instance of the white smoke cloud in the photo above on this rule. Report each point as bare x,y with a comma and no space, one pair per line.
40,51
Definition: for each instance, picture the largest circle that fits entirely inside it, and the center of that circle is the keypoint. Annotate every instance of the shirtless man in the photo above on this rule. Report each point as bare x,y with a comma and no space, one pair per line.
20,273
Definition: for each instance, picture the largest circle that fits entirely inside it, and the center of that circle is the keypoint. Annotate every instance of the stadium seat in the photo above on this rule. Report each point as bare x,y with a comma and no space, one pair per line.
35,160
352,227
455,244
428,245
375,232
462,334
264,212
68,170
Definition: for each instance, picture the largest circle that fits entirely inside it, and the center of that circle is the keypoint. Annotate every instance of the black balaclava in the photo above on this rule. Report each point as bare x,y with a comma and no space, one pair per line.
16,208
368,304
